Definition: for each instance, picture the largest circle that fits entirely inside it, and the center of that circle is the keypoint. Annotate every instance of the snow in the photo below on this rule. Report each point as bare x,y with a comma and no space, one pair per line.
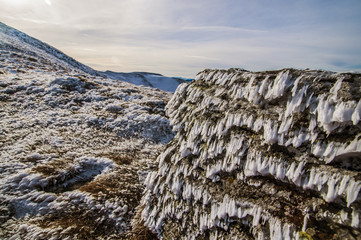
153,80
33,48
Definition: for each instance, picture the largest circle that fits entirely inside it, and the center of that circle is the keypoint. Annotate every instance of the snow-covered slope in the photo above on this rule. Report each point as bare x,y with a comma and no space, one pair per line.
260,155
17,41
74,147
154,80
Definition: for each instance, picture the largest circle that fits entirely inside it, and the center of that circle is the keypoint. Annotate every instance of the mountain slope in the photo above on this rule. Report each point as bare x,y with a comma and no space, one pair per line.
260,155
154,80
74,147
17,41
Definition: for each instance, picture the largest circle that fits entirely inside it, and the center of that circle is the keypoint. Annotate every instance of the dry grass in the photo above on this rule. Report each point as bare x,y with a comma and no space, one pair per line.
139,230
81,223
122,183
52,168
88,223
120,158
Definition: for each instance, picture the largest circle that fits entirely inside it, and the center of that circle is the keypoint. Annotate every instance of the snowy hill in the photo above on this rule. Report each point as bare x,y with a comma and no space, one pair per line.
75,146
260,155
15,40
154,80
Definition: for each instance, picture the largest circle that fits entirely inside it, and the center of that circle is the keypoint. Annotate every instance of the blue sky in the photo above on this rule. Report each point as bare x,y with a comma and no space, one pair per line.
181,38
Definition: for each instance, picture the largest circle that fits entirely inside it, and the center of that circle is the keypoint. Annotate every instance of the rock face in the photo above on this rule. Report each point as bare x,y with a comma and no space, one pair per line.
260,155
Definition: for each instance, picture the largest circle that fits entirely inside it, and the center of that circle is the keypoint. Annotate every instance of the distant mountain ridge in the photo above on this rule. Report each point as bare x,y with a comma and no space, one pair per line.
154,80
11,38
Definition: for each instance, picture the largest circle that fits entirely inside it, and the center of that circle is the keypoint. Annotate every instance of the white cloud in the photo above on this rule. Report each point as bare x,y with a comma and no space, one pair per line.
222,29
180,38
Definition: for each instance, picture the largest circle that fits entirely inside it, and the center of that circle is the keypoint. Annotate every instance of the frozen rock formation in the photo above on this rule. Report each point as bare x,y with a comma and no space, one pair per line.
260,155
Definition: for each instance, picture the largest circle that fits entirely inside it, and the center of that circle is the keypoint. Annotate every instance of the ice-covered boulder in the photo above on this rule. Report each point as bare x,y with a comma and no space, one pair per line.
260,155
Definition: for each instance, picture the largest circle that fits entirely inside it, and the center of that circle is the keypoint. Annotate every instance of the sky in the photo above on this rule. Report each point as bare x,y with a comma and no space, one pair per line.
181,38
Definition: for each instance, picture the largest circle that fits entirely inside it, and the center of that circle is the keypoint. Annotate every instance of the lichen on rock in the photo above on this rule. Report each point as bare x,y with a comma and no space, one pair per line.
260,155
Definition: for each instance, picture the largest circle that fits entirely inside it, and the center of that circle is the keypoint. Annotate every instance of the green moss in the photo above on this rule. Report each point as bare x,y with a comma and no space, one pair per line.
304,236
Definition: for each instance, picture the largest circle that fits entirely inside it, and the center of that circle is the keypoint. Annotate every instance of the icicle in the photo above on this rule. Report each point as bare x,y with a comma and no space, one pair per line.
256,216
355,218
275,229
319,149
286,232
343,184
258,124
278,87
291,171
285,126
262,88
356,116
280,172
295,104
325,111
344,216
308,102
353,190
336,87
311,180
305,222
343,112
331,193
295,85
270,132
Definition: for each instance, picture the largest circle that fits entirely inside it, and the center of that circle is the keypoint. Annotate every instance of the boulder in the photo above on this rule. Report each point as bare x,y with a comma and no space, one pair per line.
260,155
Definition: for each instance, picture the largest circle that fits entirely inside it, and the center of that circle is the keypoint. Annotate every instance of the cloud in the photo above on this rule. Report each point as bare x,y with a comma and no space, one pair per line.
183,37
202,58
33,20
48,2
222,29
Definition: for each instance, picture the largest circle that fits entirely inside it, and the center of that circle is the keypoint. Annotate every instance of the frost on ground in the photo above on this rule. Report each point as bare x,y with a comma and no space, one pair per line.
75,148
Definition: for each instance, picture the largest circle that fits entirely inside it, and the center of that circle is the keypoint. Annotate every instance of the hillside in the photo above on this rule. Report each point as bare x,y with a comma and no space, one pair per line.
153,80
19,41
75,147
260,155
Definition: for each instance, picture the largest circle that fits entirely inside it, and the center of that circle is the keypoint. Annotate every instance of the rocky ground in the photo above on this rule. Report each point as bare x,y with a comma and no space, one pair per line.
75,149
